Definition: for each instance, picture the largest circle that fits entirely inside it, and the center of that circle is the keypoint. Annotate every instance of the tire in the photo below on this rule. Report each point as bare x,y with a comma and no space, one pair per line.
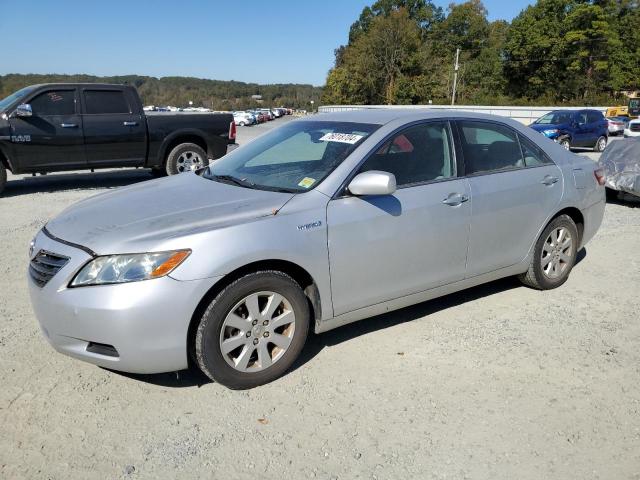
536,276
601,144
565,143
3,177
241,124
184,158
250,341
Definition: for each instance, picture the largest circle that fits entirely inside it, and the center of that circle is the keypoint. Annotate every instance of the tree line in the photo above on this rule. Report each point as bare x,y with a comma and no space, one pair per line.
555,51
179,91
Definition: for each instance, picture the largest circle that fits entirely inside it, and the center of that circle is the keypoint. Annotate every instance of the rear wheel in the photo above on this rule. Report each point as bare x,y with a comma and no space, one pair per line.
253,330
186,157
3,177
554,255
601,144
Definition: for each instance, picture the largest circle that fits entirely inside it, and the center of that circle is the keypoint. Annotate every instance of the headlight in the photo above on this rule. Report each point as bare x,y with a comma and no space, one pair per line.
551,132
128,268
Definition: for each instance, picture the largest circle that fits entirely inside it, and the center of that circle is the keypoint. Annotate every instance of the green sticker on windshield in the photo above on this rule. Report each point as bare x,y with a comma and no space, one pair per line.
306,182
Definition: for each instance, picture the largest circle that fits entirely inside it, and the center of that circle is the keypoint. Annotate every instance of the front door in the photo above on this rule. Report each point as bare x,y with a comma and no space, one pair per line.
514,187
114,132
52,138
385,247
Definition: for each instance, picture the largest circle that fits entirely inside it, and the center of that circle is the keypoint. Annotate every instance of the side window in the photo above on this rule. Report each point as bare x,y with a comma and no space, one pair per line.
54,102
105,101
581,118
418,154
533,155
594,117
489,147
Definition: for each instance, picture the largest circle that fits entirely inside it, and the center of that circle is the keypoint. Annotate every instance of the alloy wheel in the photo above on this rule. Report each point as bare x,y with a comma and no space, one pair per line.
189,161
257,331
557,253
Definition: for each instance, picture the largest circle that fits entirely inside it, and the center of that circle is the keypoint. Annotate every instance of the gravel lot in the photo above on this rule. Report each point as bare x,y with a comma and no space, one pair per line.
497,382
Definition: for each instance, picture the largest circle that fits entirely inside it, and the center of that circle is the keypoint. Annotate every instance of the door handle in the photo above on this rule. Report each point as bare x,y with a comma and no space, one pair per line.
549,180
69,125
455,199
130,124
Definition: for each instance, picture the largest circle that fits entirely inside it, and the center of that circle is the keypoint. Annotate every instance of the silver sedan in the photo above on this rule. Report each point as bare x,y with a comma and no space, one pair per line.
316,224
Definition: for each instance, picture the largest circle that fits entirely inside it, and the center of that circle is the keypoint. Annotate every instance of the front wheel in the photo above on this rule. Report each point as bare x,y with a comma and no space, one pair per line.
3,177
601,144
186,157
253,331
565,143
554,255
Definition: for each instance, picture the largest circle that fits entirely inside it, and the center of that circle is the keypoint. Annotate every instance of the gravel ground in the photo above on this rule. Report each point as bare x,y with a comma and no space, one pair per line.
497,382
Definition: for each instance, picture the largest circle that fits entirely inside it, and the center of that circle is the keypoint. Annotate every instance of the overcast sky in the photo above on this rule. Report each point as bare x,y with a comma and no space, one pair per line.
274,41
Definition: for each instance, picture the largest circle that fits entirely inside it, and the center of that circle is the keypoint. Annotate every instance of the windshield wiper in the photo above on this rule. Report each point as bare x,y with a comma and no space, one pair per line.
230,178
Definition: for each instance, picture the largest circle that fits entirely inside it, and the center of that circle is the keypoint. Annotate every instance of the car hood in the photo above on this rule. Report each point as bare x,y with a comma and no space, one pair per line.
548,126
143,216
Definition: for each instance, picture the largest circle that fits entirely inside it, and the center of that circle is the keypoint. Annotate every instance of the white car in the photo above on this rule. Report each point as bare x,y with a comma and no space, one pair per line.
242,119
632,129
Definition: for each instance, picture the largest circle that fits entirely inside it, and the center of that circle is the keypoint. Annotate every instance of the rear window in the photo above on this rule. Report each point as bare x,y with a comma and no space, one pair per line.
106,101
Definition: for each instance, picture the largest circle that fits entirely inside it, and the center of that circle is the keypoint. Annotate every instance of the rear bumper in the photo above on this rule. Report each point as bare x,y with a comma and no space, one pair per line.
631,133
593,216
231,147
145,322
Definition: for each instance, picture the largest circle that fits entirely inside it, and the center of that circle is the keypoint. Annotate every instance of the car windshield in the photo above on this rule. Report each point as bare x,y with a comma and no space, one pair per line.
293,158
5,102
554,118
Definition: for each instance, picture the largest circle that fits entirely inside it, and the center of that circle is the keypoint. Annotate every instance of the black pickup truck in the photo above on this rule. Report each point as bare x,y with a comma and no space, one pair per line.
57,127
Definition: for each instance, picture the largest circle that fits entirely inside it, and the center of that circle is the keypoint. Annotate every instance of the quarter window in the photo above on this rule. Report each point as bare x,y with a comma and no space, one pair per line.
489,147
105,101
54,102
533,155
418,154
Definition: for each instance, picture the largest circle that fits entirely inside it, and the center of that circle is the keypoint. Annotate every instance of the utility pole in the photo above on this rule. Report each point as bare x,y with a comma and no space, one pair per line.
455,77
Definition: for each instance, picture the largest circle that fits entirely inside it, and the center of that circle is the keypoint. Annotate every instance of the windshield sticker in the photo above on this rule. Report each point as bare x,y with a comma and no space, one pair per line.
341,137
306,182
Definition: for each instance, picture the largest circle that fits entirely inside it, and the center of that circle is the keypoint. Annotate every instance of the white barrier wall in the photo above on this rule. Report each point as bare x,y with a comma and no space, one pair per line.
525,115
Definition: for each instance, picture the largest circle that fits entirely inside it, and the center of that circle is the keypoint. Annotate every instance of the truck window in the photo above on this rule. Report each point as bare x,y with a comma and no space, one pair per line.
54,102
105,101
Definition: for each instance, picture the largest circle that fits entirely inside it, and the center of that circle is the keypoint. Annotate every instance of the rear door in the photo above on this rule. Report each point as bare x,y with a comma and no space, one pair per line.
114,128
583,131
514,189
51,139
385,247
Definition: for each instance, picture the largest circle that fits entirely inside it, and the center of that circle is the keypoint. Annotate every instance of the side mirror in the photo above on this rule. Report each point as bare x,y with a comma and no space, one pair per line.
24,110
373,182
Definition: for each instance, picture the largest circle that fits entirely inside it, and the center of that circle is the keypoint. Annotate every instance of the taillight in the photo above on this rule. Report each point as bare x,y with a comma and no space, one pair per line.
232,131
599,174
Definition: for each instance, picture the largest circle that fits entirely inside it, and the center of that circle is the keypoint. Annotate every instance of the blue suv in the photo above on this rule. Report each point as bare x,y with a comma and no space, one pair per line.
574,128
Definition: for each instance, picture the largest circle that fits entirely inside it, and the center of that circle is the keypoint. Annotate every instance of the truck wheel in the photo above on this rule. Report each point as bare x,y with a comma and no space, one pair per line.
186,157
601,144
3,177
253,331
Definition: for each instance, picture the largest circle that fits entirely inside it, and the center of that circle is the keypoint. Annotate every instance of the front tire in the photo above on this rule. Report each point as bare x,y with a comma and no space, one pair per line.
554,255
565,143
3,177
186,157
253,330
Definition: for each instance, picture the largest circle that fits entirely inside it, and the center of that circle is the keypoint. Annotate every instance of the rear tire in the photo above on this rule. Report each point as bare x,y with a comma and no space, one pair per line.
253,356
3,177
553,249
185,158
601,144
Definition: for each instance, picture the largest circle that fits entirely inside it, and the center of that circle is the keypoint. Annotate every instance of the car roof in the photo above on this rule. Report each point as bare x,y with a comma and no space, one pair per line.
381,116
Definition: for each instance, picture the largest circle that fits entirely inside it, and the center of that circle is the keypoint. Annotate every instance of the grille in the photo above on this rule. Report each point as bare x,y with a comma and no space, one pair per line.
45,265
634,127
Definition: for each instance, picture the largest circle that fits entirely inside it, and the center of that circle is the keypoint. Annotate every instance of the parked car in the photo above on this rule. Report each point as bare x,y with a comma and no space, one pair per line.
632,129
67,126
316,224
575,128
242,119
617,125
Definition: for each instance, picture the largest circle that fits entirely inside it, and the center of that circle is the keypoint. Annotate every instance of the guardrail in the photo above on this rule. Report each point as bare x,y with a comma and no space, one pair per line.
524,115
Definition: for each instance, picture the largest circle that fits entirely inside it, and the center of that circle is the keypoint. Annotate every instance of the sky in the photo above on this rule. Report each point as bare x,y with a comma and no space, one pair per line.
261,41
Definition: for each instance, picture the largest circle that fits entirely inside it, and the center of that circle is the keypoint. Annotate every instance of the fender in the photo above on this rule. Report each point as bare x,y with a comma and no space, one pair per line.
186,132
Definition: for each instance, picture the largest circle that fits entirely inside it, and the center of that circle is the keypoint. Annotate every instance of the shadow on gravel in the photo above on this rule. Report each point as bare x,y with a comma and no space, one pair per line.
316,343
622,198
58,182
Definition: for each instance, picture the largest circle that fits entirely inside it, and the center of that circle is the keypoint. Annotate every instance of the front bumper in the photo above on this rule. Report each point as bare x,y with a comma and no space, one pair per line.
146,322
